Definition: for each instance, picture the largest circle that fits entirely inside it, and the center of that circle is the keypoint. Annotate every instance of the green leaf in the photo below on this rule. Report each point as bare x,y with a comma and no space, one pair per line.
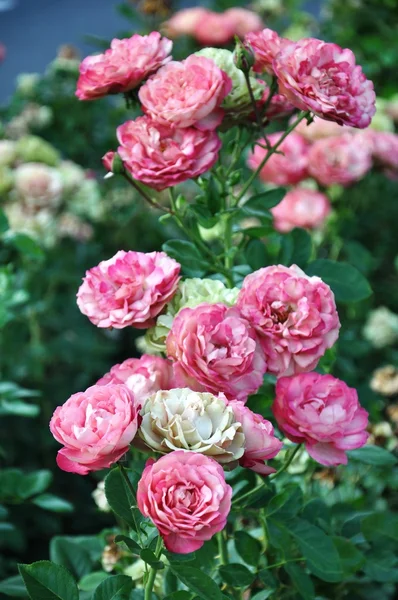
296,248
318,549
351,559
179,595
131,544
347,283
203,216
278,535
117,587
187,254
120,498
89,582
301,581
18,408
14,587
286,504
35,483
248,548
382,566
373,455
256,254
65,551
3,222
197,581
236,575
263,595
46,581
259,205
26,245
53,503
150,557
381,528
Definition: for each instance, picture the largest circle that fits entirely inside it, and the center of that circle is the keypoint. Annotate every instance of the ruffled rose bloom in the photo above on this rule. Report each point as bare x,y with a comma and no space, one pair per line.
186,93
319,129
288,168
216,350
260,441
161,156
214,29
129,289
123,66
301,207
96,428
181,419
324,79
278,107
183,22
143,376
244,21
186,497
384,147
266,45
38,185
339,160
323,413
294,315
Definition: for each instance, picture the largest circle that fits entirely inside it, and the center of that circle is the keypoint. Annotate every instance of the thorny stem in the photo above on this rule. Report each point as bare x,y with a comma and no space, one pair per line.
257,114
152,571
144,195
271,151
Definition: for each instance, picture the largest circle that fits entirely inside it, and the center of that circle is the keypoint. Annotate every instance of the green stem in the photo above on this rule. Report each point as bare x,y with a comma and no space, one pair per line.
283,562
288,462
272,91
144,195
152,572
271,151
222,548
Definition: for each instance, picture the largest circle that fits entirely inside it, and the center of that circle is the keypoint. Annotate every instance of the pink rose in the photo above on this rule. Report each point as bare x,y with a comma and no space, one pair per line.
161,156
129,289
186,497
186,93
143,376
384,147
323,78
301,207
322,412
96,428
214,29
288,168
339,160
266,45
244,21
319,128
278,108
38,185
294,315
123,66
183,22
216,350
260,442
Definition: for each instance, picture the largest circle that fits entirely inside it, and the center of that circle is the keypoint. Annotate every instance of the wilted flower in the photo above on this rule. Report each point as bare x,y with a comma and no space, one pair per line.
381,327
294,315
99,497
181,419
323,78
385,381
129,289
322,412
123,66
38,185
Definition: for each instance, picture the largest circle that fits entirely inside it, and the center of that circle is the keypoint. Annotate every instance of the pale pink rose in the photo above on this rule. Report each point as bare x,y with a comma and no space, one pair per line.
107,160
186,93
339,160
183,22
123,66
319,128
38,185
216,350
214,29
265,45
96,428
278,108
323,413
244,21
129,289
260,441
324,79
384,147
294,315
301,207
143,376
161,156
288,168
186,497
